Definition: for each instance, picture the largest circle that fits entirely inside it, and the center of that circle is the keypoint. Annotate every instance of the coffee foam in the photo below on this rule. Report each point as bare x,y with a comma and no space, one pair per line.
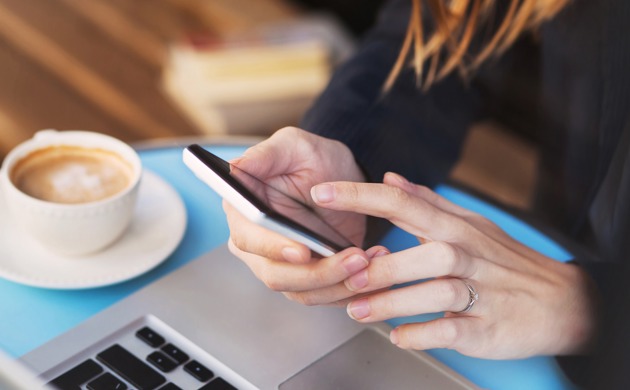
68,174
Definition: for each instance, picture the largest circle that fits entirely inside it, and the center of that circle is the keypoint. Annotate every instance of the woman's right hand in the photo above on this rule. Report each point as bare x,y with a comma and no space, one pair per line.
293,161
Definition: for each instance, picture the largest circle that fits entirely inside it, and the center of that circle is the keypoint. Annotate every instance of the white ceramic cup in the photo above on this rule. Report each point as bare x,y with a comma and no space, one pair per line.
77,228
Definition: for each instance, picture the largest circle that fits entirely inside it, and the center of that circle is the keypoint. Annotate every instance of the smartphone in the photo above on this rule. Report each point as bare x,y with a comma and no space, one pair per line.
265,205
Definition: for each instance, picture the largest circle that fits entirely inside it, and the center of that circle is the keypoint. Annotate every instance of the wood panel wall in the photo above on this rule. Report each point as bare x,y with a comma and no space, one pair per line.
96,64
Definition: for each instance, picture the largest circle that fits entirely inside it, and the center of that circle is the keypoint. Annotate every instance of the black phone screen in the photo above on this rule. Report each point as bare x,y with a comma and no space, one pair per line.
274,203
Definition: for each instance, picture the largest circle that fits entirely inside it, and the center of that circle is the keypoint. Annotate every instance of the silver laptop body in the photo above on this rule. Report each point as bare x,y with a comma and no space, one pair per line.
216,311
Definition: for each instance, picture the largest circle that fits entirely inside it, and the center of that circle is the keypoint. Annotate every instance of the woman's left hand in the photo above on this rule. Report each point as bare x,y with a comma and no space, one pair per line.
526,304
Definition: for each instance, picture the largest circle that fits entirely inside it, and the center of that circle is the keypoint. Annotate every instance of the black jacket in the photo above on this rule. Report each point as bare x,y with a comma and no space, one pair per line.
567,88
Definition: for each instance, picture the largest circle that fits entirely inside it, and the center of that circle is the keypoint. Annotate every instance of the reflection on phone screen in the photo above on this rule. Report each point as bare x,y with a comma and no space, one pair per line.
288,210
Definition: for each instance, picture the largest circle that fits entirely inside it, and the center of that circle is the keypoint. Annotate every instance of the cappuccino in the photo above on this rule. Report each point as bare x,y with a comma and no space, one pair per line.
71,174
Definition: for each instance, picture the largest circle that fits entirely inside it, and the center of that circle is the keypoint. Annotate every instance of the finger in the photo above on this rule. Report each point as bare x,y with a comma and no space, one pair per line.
425,193
488,227
433,259
272,157
287,277
253,238
336,295
408,212
372,253
438,295
464,334
262,160
377,251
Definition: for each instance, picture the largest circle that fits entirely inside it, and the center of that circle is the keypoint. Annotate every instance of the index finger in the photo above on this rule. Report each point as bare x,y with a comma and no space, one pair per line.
287,277
410,213
252,238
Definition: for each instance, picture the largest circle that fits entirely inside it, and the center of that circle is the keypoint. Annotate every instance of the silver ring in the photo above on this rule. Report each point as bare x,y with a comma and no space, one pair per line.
472,298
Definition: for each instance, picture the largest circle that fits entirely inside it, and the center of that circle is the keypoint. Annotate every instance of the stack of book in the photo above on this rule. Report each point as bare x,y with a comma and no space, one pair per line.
256,82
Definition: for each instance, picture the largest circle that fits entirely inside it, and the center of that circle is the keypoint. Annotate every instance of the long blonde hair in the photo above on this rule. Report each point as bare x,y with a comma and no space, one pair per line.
455,24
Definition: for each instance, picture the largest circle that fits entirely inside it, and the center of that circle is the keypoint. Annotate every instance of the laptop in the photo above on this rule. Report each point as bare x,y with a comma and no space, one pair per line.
212,325
15,376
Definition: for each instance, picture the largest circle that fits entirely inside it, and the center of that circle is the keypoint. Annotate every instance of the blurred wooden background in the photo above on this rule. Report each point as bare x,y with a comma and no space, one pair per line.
96,65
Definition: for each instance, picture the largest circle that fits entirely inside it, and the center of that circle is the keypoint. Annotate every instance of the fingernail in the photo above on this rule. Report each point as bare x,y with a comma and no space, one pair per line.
376,252
323,193
291,254
357,281
359,309
393,336
235,161
354,263
380,253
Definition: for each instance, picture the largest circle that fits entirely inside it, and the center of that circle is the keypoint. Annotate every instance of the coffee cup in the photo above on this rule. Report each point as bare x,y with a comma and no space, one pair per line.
72,191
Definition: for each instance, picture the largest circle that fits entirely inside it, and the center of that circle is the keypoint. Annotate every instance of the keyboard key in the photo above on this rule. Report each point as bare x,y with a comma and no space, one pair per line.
170,386
175,353
106,382
150,337
199,371
161,361
74,378
218,384
130,368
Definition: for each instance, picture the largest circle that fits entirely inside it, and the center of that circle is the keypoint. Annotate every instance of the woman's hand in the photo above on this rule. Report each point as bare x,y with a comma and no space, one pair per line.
528,304
293,161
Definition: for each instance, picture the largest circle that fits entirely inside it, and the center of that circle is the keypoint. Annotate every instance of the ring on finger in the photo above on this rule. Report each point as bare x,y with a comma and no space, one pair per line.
473,297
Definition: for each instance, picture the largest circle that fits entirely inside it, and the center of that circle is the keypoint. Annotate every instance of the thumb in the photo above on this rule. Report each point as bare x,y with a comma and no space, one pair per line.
267,159
257,162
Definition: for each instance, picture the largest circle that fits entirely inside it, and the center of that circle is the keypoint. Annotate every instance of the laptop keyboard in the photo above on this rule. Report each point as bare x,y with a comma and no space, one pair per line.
116,368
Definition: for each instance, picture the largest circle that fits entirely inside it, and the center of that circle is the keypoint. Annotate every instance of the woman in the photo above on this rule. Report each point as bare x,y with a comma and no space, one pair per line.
552,69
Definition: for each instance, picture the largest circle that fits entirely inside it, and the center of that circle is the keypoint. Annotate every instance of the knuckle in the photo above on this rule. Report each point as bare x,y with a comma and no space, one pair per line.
237,241
425,192
449,293
447,254
339,146
270,281
390,270
350,192
386,306
269,249
317,277
288,131
398,195
307,299
399,201
291,296
447,333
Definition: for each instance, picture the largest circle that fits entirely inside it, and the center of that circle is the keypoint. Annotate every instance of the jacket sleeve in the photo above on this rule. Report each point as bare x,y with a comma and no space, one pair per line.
417,134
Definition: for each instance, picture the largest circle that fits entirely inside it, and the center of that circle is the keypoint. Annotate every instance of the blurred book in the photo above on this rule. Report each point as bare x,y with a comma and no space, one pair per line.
255,82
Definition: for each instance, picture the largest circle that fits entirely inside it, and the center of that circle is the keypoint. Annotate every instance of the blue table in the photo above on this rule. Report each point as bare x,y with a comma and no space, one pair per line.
32,316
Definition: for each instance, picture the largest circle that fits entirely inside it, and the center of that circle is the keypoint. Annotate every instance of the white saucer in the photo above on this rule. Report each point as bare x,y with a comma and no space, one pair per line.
157,228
